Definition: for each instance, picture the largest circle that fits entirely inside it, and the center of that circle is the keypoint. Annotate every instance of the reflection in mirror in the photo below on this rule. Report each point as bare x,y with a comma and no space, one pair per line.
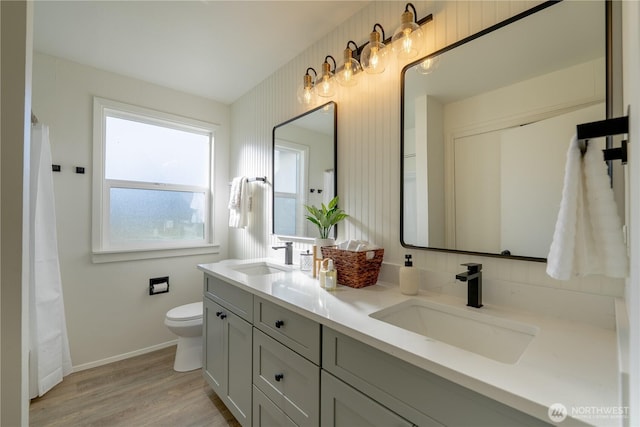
486,130
304,165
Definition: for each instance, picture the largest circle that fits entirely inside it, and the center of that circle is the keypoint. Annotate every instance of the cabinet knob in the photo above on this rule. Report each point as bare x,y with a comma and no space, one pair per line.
279,377
218,313
223,316
279,323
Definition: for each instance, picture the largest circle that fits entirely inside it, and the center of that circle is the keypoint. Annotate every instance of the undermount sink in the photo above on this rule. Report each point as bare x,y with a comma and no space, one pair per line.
499,339
261,268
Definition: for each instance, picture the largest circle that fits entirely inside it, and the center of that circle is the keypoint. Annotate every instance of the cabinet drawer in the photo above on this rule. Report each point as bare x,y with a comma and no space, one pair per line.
229,296
266,413
300,334
344,406
414,393
287,379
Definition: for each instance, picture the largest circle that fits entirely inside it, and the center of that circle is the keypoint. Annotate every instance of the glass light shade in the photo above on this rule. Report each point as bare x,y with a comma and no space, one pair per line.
325,84
407,39
374,55
306,92
428,65
346,75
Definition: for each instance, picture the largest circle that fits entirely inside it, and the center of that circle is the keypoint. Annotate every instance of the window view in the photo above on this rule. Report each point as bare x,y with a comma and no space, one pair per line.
286,191
156,182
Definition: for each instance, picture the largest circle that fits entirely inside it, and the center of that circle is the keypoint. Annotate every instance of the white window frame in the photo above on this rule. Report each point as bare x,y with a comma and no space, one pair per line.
102,249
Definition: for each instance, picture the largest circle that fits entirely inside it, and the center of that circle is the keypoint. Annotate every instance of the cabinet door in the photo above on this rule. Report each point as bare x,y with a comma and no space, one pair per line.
343,406
227,359
267,414
238,344
214,350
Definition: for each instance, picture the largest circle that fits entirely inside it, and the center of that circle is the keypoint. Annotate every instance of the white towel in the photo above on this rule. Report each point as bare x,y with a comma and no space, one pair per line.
328,194
239,203
588,235
236,191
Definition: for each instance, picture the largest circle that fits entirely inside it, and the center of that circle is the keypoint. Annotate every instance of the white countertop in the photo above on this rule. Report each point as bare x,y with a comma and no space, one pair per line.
567,362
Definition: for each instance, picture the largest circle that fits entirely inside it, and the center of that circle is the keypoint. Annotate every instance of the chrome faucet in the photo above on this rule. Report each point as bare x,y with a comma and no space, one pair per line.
288,252
473,275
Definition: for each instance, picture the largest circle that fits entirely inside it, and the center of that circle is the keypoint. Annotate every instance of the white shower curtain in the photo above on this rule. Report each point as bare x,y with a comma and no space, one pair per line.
49,356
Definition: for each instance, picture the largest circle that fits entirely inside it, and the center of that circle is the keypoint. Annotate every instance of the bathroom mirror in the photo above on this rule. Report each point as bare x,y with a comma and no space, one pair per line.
486,123
304,169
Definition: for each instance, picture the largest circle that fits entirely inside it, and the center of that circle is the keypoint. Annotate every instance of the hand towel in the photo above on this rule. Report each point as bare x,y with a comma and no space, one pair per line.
605,223
328,186
234,194
588,233
239,210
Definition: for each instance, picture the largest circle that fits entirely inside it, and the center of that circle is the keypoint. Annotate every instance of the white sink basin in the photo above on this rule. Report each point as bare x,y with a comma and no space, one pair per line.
493,337
259,268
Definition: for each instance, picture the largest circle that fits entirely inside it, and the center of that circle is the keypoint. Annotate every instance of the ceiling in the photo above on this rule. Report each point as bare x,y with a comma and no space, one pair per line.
215,49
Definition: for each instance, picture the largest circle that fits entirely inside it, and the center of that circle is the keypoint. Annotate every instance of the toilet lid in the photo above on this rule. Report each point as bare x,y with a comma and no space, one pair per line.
186,312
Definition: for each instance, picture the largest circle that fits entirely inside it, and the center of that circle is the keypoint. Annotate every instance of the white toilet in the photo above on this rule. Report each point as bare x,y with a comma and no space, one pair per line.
186,322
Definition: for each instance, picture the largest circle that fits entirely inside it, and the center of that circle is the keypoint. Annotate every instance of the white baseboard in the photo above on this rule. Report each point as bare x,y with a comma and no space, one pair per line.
123,356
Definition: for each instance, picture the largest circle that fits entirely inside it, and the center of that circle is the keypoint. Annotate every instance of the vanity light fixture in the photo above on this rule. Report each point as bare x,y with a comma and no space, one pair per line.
374,55
407,39
306,91
325,83
346,75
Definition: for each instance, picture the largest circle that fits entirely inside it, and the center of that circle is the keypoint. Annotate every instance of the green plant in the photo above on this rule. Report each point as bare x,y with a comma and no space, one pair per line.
326,217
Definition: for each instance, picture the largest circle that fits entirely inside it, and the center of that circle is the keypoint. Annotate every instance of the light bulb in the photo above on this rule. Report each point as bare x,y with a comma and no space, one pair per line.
374,55
407,39
346,74
428,65
306,91
325,85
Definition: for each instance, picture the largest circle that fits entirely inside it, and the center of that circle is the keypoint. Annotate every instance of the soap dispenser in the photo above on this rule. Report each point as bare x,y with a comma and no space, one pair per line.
408,277
322,275
331,278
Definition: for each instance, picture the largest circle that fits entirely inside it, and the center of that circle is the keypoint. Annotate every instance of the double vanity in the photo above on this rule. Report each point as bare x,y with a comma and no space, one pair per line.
280,350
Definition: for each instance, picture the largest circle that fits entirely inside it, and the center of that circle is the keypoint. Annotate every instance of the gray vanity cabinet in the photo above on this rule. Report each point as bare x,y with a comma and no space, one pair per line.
228,348
272,366
417,395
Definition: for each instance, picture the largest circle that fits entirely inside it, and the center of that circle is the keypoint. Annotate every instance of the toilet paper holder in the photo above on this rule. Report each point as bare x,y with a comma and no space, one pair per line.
158,285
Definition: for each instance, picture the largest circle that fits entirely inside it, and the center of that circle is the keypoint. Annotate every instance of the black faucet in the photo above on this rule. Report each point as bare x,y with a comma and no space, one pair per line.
288,252
473,275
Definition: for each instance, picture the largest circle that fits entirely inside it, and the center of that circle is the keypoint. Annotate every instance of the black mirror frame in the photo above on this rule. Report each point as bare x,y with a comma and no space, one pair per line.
608,101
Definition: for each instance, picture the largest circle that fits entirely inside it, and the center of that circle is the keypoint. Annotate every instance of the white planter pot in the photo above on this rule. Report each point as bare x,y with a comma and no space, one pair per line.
325,242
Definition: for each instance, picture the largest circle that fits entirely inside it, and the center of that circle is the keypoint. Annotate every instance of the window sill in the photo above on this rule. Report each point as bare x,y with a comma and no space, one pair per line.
99,257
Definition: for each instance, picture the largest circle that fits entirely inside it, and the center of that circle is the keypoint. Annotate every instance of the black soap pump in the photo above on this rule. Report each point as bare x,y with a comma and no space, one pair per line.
408,277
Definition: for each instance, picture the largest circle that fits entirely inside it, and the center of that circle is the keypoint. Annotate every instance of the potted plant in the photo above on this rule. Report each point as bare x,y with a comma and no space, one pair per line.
325,218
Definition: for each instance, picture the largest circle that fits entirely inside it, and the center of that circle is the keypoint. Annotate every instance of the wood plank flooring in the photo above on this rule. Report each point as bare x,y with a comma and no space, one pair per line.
140,391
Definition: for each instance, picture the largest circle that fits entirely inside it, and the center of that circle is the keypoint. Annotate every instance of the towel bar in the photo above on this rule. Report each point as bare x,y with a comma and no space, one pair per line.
608,127
256,179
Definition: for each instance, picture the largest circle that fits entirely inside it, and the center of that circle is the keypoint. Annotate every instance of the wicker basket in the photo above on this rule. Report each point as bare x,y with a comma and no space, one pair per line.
355,269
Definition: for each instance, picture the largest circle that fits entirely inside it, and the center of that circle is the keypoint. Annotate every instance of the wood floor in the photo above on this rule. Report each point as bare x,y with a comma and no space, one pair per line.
141,391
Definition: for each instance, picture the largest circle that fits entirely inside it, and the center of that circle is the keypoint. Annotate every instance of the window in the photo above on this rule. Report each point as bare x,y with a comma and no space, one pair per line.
152,180
290,173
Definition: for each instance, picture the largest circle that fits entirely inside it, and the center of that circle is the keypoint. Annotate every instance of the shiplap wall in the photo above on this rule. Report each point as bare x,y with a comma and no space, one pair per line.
369,141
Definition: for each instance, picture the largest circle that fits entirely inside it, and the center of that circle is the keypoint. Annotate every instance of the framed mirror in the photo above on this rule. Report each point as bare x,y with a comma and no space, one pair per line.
304,169
486,123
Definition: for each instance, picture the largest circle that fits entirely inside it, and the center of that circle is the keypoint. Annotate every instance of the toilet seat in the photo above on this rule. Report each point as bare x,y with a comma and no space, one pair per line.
186,312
